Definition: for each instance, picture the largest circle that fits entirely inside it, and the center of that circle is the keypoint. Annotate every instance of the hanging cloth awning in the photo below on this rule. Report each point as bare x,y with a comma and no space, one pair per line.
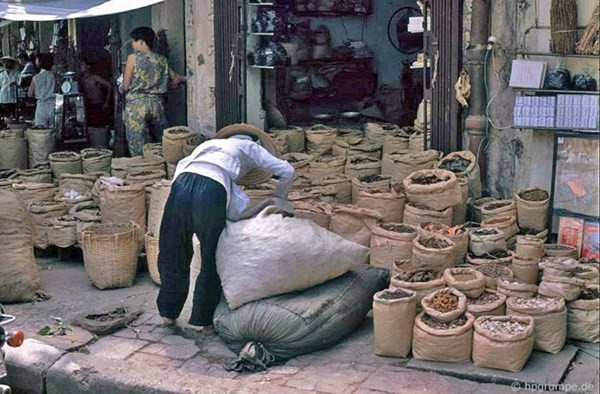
50,10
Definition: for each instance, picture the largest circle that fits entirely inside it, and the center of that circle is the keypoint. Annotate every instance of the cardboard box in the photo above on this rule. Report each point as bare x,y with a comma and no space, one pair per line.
570,232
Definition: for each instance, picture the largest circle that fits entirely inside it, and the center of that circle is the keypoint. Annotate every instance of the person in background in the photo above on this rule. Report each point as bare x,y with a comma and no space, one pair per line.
42,88
203,194
25,64
8,86
145,79
97,93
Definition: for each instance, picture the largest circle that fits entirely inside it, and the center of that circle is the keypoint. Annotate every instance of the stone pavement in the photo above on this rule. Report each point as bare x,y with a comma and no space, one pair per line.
147,357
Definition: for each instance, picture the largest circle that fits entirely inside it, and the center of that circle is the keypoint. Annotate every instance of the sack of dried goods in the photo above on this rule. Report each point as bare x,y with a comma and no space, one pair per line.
512,287
433,252
560,286
394,312
492,272
486,240
340,182
318,212
489,303
532,208
559,266
390,205
497,208
352,223
326,165
436,340
319,139
550,316
464,162
529,247
415,214
445,304
391,242
559,250
468,281
457,234
400,165
435,189
507,224
477,204
588,274
370,183
525,269
503,342
497,256
583,316
361,166
406,275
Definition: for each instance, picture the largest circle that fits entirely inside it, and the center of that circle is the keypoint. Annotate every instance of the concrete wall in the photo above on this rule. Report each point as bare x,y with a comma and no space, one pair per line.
522,158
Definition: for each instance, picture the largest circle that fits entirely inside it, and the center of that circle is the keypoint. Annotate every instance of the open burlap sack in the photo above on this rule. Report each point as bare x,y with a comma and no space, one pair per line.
583,316
13,151
13,214
457,234
122,205
559,286
65,162
443,312
62,231
292,136
559,266
152,149
120,165
369,183
391,242
343,141
378,131
482,242
492,272
406,280
399,166
19,276
397,142
435,189
532,208
389,205
512,287
445,345
497,208
588,274
529,247
173,139
33,191
477,204
361,166
41,213
501,350
489,303
96,160
80,183
370,149
464,162
153,163
325,166
299,161
507,224
560,250
415,214
525,269
467,280
550,316
191,143
319,139
353,224
433,252
158,200
41,142
341,183
40,174
394,312
318,212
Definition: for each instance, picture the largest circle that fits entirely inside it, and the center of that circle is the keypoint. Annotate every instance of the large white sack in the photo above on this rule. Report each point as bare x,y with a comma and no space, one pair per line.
272,254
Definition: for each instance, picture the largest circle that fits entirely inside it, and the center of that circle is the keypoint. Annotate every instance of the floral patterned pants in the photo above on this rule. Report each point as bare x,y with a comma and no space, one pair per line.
145,120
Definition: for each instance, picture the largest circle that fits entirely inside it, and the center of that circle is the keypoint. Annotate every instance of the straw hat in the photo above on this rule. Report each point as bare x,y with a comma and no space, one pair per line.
4,58
254,176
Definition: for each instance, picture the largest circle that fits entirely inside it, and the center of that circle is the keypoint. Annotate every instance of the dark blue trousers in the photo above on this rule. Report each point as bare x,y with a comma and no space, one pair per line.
196,205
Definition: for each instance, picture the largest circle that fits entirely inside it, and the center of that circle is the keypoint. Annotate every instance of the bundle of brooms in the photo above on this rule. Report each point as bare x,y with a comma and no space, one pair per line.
590,41
563,26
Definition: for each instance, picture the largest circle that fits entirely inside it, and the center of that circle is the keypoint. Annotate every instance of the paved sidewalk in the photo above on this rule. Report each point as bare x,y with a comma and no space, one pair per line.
147,357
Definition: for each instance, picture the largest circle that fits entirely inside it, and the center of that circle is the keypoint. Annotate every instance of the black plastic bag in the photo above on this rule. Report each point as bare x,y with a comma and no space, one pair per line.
584,82
558,79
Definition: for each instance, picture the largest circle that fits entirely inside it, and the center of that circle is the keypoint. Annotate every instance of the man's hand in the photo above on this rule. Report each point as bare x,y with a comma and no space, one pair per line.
283,205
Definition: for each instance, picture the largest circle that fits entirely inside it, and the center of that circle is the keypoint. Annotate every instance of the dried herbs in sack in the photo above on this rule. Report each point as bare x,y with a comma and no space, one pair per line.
299,161
318,212
407,275
40,213
389,205
525,269
173,140
39,174
583,316
507,224
353,224
445,304
362,166
34,191
62,231
377,132
550,316
477,204
96,160
122,204
435,189
495,208
532,208
560,250
464,162
485,241
400,165
492,273
489,303
19,275
293,137
158,200
503,342
391,242
13,151
588,274
341,183
433,252
560,286
512,287
435,340
326,165
319,139
370,183
457,234
529,247
394,312
415,214
41,142
65,162
466,280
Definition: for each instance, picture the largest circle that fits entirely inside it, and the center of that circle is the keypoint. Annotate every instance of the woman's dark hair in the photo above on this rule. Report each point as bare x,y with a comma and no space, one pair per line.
23,55
46,60
144,33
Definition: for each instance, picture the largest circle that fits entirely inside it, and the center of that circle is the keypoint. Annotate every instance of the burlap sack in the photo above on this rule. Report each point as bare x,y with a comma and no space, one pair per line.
152,149
341,183
417,214
120,165
13,214
397,142
326,165
39,174
421,288
529,247
319,139
459,214
41,142
433,258
299,161
492,272
158,199
532,214
512,287
377,132
477,204
173,139
389,205
493,307
19,276
33,191
370,149
560,250
525,269
450,345
559,286
400,166
353,224
318,212
191,143
343,141
583,317
65,162
370,183
96,160
326,194
485,241
497,208
507,224
293,137
62,231
550,322
362,166
457,234
153,163
433,310
501,350
171,168
80,183
467,280
562,267
122,205
391,242
443,193
464,162
13,151
588,274
499,257
41,213
394,314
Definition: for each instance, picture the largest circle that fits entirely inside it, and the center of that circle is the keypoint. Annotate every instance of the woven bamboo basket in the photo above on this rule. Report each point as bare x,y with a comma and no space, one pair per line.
152,257
110,254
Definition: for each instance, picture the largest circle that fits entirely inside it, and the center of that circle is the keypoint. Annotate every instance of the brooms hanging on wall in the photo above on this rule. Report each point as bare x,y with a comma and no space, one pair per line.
590,41
563,26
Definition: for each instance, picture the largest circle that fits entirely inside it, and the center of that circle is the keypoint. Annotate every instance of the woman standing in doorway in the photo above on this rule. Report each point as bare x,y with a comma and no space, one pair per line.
145,79
42,88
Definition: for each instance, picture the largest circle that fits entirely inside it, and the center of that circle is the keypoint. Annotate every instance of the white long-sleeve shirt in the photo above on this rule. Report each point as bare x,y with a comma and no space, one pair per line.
8,89
227,160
